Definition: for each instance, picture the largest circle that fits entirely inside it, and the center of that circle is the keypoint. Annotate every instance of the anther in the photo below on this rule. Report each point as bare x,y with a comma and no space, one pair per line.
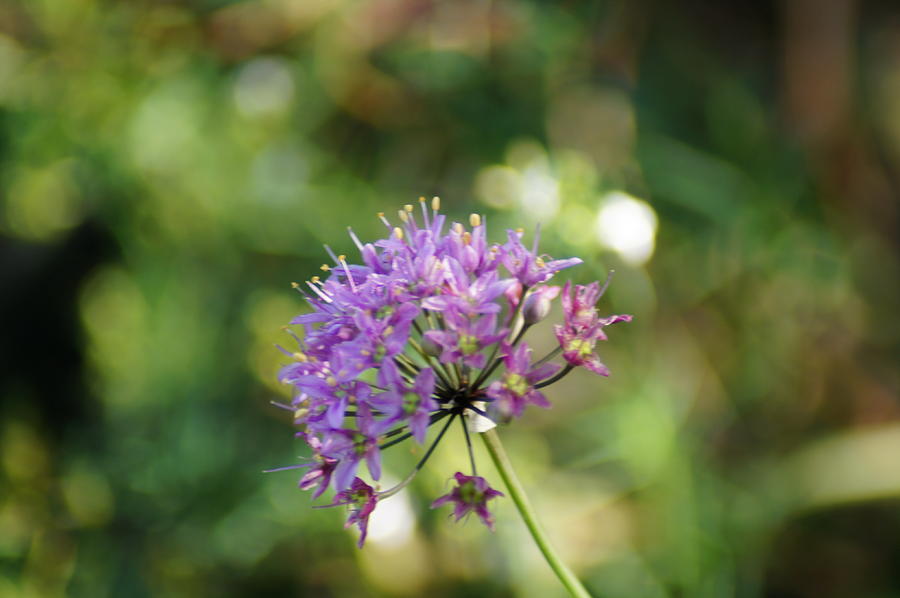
435,203
408,207
475,220
467,238
458,228
325,267
398,232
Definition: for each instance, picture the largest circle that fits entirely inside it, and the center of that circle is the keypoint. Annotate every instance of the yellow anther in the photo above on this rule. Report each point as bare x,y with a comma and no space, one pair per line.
520,230
315,280
380,214
408,207
435,203
458,228
422,199
398,232
475,220
300,356
295,285
404,217
540,262
331,381
341,258
467,238
325,267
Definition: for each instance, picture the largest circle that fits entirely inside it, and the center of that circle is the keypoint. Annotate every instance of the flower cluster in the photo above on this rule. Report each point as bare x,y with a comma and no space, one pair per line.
428,328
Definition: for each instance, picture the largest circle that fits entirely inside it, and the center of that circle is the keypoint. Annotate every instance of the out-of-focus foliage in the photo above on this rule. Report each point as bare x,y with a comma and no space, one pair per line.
167,168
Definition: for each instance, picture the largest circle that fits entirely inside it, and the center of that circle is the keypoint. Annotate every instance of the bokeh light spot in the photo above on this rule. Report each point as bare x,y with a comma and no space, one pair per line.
627,225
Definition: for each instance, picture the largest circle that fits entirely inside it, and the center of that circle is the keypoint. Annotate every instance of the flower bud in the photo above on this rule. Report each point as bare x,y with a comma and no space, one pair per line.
537,305
431,348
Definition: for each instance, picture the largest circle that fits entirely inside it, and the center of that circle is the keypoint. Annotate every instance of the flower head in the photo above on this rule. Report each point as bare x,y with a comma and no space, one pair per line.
470,495
427,329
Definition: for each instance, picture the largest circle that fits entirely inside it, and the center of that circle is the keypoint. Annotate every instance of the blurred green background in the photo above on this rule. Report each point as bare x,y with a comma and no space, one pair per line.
167,168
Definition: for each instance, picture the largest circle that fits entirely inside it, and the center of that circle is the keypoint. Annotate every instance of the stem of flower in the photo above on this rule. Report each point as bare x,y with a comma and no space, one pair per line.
465,427
435,417
548,357
562,374
520,499
420,464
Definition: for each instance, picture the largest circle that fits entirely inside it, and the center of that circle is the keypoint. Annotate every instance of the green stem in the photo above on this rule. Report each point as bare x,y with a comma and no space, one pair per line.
518,496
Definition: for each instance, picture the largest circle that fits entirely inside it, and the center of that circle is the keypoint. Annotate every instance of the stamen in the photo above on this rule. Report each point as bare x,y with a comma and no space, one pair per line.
325,268
384,220
322,294
458,228
342,259
606,284
436,203
424,211
300,356
330,253
537,236
398,232
408,207
520,231
467,237
356,240
474,220
404,217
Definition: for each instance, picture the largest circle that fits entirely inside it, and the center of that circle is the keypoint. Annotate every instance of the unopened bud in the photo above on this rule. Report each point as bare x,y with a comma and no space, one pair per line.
431,348
538,304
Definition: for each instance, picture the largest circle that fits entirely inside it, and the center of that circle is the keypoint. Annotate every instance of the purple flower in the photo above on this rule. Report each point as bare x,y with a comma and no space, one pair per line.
319,474
468,297
582,328
349,447
428,328
405,402
527,266
470,495
515,389
361,499
465,338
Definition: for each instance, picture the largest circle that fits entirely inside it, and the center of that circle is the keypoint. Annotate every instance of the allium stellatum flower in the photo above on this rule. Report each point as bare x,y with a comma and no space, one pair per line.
429,328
